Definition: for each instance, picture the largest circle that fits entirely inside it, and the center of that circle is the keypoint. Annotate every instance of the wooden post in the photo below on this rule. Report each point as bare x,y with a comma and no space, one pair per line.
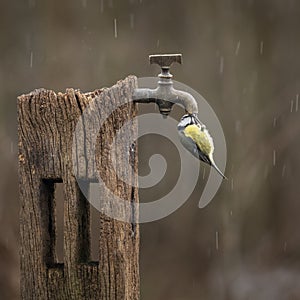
46,123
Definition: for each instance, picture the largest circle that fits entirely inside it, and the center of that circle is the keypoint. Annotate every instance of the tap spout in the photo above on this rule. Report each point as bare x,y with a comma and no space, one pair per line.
186,100
165,97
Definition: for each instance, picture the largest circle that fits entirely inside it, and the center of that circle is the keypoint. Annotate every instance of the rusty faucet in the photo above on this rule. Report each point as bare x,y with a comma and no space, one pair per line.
165,95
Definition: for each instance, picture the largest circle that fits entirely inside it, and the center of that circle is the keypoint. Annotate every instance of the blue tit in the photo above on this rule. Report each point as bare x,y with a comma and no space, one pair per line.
196,139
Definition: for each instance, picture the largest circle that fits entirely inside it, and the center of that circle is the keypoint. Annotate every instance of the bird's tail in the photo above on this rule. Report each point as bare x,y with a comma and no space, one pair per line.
217,169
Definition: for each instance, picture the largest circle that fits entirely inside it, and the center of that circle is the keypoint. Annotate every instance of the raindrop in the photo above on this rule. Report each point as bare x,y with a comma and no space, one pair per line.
274,158
297,102
283,170
237,49
31,59
274,122
284,246
102,6
221,64
157,44
84,3
217,240
204,172
131,21
231,213
238,129
11,147
261,50
231,186
115,28
292,105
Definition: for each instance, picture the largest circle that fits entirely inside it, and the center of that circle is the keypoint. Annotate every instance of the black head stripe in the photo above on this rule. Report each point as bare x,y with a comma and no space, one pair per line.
185,121
189,119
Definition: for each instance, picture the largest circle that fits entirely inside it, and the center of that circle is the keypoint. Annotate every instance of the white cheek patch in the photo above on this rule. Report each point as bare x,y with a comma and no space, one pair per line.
185,122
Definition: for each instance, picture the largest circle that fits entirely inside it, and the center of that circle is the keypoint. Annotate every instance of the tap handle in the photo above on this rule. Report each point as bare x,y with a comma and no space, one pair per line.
165,60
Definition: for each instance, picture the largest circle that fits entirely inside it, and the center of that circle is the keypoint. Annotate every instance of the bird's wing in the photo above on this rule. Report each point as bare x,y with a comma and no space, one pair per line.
190,145
203,156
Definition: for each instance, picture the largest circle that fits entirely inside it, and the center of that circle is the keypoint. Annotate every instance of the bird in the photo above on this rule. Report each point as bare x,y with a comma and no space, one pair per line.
196,139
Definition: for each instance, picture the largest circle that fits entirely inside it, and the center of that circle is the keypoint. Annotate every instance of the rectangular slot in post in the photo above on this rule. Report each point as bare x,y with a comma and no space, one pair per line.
95,233
94,195
49,201
90,221
84,236
59,221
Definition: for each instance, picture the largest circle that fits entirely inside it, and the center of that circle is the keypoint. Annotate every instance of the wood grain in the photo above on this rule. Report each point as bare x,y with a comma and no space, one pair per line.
46,123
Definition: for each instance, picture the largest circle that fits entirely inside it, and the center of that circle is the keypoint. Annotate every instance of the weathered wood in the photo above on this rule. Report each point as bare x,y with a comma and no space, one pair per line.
46,125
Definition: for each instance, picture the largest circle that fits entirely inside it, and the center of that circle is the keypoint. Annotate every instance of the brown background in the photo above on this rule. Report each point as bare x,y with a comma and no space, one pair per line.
60,44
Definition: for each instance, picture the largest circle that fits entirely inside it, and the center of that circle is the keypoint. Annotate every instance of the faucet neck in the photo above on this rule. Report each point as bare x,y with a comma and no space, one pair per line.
165,77
165,73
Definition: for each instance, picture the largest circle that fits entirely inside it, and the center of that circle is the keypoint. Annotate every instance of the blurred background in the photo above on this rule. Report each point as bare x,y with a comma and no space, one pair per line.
243,57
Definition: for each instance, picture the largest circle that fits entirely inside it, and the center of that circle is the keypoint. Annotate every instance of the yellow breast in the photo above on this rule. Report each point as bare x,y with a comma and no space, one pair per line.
201,138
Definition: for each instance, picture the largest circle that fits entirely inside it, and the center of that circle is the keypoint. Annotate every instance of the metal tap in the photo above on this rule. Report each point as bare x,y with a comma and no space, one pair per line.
165,95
